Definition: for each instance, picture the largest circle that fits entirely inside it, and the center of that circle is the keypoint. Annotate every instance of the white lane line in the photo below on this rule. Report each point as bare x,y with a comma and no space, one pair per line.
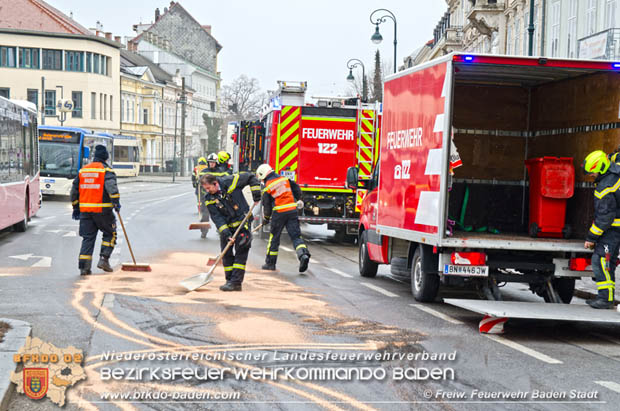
49,218
313,261
525,350
436,313
290,250
70,234
614,386
379,289
340,273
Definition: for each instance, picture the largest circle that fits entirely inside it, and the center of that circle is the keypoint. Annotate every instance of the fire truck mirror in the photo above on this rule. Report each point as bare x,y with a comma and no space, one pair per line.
352,177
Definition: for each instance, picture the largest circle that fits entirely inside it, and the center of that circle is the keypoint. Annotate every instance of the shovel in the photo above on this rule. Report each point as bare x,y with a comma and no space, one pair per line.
198,280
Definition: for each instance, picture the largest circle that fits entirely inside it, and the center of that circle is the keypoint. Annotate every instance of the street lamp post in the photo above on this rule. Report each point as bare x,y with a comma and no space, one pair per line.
377,37
351,64
63,115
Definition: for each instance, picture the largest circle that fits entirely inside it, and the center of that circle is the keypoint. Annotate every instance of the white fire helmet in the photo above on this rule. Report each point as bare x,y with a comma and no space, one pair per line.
263,170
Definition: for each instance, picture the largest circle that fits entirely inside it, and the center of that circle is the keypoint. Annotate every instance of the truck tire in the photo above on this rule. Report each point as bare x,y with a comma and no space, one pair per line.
424,285
368,268
23,225
564,288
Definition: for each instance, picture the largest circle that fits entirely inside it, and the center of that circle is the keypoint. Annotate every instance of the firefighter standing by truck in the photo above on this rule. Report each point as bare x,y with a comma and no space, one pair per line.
281,198
228,207
604,234
93,195
202,163
213,167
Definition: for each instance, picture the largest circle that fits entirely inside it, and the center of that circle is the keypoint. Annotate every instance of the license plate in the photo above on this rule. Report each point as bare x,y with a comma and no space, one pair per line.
49,180
47,192
288,174
467,270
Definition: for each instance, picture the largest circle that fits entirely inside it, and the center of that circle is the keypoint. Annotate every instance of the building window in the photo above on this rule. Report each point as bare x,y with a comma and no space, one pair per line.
52,59
76,96
50,102
122,109
590,16
5,92
28,58
89,65
145,116
104,65
93,106
74,61
572,29
7,56
33,96
105,107
100,106
213,102
555,28
139,109
96,63
610,12
111,110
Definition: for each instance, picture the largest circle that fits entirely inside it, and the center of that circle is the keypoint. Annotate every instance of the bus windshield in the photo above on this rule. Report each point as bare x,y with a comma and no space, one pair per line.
59,159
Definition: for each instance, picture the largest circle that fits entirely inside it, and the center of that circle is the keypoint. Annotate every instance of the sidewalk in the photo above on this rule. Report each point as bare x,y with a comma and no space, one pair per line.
14,340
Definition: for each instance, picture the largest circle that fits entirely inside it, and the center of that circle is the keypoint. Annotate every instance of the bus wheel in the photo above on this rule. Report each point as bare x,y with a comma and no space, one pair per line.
368,268
424,286
23,225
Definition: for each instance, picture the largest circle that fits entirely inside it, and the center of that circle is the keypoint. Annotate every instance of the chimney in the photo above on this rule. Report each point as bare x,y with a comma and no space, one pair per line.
117,39
108,35
157,15
207,28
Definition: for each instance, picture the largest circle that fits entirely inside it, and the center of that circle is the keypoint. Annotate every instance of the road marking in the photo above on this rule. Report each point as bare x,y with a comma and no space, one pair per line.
614,386
48,218
437,314
290,250
45,262
525,350
340,273
53,231
313,261
70,234
108,301
379,289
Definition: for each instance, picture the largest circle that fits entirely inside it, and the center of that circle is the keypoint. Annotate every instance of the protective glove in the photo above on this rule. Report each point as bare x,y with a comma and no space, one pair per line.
266,218
76,214
300,204
117,207
226,234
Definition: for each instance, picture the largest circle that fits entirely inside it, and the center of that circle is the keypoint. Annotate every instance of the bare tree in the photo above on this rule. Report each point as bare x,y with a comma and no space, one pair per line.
355,86
243,99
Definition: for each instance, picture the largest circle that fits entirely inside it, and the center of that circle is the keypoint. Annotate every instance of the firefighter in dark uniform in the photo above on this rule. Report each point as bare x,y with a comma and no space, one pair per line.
94,195
222,162
211,167
202,163
281,198
228,207
604,234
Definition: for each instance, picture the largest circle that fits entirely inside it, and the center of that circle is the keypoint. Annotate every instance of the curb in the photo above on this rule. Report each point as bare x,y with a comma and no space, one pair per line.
14,340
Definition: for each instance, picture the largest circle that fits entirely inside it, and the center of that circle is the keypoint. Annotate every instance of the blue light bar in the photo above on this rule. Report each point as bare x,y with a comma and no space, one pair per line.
471,58
616,65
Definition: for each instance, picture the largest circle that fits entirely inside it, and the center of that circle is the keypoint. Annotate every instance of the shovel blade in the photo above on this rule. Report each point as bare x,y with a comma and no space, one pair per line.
194,282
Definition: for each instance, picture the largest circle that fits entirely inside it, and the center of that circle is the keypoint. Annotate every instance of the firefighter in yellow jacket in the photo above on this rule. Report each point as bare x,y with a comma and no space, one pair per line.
281,198
94,195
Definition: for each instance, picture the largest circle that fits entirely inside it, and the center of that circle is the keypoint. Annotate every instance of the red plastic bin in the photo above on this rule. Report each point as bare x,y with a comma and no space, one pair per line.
552,182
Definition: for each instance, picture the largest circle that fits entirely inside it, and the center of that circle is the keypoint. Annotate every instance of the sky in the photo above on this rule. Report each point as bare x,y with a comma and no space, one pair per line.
284,40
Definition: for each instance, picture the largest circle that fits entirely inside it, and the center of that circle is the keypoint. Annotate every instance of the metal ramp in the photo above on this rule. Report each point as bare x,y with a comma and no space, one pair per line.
536,311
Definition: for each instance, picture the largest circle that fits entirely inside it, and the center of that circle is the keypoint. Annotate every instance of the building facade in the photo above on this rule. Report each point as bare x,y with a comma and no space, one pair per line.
181,46
49,56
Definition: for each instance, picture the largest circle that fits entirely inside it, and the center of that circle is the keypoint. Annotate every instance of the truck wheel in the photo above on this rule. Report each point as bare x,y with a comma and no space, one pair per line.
424,286
564,288
368,268
23,225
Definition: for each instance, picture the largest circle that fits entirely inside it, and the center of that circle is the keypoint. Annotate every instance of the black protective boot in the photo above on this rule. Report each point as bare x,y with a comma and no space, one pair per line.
303,262
85,271
104,264
269,267
231,287
599,303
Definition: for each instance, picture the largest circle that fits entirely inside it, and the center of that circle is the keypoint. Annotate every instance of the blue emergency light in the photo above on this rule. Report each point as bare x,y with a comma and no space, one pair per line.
468,58
616,65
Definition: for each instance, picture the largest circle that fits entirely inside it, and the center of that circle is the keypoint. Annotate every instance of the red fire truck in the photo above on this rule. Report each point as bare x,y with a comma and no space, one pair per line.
448,200
315,145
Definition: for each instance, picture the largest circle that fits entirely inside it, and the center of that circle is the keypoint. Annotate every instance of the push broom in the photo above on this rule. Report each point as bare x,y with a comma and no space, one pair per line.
128,266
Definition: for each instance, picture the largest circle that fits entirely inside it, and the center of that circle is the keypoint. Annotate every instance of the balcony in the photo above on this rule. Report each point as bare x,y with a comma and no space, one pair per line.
447,37
604,45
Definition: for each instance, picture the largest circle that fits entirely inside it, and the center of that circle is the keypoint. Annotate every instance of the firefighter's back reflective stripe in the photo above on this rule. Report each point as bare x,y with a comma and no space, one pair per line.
280,190
92,178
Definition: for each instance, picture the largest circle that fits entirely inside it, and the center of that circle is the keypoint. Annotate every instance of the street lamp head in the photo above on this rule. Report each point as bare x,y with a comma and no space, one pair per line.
350,76
376,37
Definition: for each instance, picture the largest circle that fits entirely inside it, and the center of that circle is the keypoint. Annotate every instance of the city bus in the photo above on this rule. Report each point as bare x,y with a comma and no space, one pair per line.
19,165
126,156
60,149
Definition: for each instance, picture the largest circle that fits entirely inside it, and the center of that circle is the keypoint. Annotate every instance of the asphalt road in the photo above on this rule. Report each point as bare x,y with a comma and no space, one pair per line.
330,309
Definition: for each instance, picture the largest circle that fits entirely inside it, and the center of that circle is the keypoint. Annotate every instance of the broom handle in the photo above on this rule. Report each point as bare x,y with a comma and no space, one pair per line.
126,238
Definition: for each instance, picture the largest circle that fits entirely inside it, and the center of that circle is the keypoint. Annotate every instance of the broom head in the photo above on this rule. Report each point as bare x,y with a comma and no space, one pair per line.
199,226
135,267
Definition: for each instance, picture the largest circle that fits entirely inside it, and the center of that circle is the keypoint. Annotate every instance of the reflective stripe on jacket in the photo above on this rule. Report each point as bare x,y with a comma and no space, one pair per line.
92,179
280,190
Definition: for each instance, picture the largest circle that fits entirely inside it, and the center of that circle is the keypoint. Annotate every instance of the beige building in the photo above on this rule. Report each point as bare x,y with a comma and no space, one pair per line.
50,56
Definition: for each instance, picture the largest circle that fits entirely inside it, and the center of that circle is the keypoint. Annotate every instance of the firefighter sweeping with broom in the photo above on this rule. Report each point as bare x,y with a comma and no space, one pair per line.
94,195
281,198
228,209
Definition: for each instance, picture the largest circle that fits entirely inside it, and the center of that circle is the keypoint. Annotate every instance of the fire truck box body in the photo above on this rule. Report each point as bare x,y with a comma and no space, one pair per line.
482,117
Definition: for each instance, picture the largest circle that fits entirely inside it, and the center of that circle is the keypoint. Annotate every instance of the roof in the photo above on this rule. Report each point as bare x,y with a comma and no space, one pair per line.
132,59
37,15
136,71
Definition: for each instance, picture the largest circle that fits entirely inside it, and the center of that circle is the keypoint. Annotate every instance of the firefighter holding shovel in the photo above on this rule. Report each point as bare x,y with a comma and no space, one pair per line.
227,206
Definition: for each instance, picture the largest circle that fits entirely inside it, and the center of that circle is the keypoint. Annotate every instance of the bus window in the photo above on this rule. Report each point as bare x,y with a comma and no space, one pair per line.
59,159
